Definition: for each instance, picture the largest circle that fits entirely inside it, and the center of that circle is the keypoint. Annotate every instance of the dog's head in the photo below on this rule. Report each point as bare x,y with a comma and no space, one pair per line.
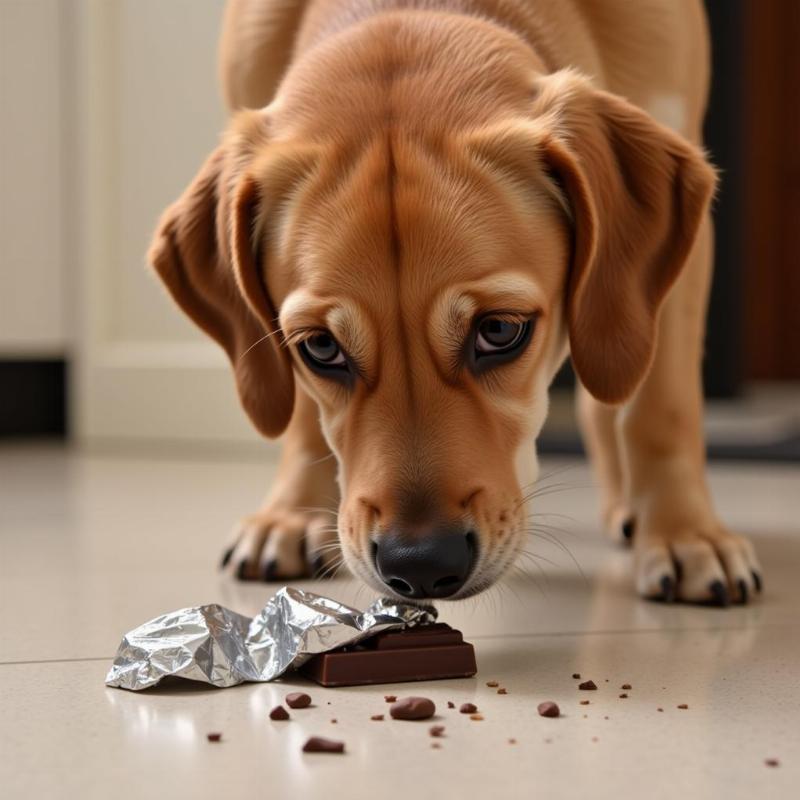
423,284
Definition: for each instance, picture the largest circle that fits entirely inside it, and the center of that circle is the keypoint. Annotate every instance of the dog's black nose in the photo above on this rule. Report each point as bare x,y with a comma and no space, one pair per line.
431,564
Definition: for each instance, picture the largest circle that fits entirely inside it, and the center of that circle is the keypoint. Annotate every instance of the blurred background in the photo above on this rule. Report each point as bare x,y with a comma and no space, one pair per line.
107,109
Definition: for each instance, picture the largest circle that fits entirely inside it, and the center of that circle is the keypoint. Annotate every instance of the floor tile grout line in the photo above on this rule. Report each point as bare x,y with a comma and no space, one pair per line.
482,637
54,661
629,631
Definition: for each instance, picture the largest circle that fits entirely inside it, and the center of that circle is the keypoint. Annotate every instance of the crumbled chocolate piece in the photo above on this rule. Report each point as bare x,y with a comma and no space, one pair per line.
772,762
501,690
605,717
319,744
595,739
468,708
548,709
587,686
623,696
413,708
377,717
492,684
660,709
334,721
436,731
576,675
626,687
451,704
683,706
298,700
584,702
476,717
214,737
279,712
436,745
390,698
512,741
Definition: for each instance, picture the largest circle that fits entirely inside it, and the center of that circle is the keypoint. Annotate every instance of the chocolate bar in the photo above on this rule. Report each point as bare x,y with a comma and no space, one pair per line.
421,653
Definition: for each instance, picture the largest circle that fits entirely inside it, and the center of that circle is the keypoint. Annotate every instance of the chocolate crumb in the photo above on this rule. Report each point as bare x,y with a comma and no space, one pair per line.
512,741
595,739
772,762
319,744
279,713
390,698
548,709
683,706
660,709
413,708
576,675
587,686
334,721
377,717
214,737
501,690
586,716
623,696
605,717
436,745
476,717
626,687
298,700
492,684
548,741
450,704
468,708
436,731
584,702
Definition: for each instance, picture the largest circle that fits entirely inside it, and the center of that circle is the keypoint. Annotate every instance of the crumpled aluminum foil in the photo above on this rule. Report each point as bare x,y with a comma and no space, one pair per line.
215,645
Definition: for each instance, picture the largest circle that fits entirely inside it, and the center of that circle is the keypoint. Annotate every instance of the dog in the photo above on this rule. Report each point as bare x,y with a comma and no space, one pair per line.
419,210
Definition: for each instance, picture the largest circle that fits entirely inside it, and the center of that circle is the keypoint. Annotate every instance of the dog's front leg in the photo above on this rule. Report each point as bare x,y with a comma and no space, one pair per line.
682,550
294,533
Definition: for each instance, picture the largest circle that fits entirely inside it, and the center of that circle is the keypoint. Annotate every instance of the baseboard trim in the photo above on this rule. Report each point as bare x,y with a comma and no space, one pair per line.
33,397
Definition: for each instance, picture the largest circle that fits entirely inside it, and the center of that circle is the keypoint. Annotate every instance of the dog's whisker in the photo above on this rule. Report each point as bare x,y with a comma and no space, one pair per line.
258,342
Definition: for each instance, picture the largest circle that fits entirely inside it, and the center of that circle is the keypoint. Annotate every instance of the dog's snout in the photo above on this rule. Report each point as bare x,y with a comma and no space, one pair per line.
431,564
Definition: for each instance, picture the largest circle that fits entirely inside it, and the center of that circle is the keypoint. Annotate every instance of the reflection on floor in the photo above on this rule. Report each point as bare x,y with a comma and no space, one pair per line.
94,545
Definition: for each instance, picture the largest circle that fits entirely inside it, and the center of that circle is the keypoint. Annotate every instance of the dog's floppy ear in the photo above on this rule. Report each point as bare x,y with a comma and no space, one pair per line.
207,253
638,193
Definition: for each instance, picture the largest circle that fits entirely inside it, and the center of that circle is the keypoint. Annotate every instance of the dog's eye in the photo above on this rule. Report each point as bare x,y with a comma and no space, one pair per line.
321,351
496,335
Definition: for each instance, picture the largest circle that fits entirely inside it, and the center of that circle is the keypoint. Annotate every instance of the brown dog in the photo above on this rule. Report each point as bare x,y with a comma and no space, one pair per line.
431,203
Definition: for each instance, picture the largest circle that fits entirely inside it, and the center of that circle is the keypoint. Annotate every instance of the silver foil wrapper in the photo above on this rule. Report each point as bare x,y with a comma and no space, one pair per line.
215,645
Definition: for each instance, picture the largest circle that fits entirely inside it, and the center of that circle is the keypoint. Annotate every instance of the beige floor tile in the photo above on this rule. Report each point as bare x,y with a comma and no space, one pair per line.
91,546
97,545
65,735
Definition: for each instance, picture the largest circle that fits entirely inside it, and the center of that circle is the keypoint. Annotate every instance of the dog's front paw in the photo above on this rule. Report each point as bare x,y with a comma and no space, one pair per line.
710,566
282,543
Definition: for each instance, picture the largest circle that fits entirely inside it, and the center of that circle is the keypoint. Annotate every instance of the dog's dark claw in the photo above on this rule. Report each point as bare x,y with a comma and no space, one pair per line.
757,580
667,589
241,571
226,557
628,528
719,594
743,593
270,569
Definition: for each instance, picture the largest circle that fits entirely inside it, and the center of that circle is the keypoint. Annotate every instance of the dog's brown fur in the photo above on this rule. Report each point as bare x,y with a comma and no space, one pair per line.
410,164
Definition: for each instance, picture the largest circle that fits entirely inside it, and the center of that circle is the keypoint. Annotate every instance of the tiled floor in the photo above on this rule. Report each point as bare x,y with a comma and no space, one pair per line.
91,546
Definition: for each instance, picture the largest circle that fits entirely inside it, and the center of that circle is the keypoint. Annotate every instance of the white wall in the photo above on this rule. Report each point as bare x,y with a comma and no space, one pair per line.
108,109
33,318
